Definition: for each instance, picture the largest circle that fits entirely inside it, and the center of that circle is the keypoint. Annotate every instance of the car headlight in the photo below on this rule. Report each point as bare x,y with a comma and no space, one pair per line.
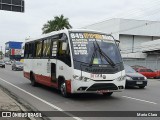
81,78
129,78
145,78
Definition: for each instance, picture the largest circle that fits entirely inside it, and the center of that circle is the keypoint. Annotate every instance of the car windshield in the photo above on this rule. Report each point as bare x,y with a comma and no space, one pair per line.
18,63
128,69
94,47
149,70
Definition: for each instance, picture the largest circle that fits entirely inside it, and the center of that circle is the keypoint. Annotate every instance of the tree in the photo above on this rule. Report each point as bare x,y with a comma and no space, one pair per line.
58,23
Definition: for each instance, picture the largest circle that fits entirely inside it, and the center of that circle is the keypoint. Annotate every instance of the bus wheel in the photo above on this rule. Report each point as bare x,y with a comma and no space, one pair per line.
33,82
64,90
108,94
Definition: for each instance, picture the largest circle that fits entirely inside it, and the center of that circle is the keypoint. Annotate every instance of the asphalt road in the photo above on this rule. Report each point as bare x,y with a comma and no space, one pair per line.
46,99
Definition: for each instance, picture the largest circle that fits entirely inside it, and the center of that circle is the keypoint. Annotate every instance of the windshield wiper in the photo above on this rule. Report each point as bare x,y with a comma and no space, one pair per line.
106,57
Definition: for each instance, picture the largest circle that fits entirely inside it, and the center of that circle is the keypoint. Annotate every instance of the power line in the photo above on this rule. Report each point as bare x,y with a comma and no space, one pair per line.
144,24
152,12
131,11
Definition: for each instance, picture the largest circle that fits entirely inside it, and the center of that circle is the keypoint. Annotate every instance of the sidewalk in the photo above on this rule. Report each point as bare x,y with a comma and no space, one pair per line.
7,103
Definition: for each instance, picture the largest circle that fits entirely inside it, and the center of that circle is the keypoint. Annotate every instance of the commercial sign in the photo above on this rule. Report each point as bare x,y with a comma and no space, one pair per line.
16,51
12,5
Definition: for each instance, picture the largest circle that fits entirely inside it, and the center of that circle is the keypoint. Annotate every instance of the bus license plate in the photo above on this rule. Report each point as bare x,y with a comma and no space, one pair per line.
139,83
102,91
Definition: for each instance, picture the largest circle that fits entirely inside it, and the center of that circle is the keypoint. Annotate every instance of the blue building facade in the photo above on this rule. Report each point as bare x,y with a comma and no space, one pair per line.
13,45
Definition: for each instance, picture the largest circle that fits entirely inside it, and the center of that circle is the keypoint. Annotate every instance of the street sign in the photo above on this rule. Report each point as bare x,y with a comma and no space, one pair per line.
12,5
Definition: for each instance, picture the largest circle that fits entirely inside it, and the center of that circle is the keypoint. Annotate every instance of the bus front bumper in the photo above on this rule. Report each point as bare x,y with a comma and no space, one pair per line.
97,87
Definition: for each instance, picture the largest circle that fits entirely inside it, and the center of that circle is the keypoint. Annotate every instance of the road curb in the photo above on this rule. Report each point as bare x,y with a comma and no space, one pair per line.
22,104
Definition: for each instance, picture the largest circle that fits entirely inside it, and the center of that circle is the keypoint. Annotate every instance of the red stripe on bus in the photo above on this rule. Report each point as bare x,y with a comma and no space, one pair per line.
68,85
45,80
26,74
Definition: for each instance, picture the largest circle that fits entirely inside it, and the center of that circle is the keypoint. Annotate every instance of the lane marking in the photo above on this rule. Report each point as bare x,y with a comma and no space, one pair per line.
139,100
55,107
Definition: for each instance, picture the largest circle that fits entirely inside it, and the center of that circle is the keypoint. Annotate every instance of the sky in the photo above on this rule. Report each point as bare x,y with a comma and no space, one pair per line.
15,26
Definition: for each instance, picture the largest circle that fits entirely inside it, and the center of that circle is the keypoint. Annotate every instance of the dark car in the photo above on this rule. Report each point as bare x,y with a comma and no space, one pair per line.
17,65
134,78
2,64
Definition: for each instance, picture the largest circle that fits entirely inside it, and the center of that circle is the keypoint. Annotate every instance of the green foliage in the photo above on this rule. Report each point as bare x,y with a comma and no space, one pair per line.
58,23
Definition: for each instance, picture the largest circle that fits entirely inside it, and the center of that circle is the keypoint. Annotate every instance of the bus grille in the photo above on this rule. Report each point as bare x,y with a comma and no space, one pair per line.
102,86
103,70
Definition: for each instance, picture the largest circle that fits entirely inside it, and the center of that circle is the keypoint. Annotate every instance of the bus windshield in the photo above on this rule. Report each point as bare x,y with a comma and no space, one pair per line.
88,47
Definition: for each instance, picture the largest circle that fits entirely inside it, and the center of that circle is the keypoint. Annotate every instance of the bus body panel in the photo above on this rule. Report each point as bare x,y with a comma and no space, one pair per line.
42,74
64,70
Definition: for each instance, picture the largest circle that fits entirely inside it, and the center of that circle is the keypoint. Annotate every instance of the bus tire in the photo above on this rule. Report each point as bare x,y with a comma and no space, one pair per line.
141,87
33,81
107,94
64,90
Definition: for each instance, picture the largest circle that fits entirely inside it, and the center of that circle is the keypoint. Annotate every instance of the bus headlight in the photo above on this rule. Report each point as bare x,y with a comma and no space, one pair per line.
129,78
81,78
121,78
75,76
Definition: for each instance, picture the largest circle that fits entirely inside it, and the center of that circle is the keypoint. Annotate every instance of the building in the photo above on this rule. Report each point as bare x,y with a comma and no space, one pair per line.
134,36
13,50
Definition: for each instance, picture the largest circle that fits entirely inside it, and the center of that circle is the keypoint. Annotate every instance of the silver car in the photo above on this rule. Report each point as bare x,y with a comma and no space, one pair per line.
17,65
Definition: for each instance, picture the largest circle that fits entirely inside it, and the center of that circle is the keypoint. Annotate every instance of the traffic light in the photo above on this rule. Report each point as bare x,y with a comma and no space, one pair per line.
12,5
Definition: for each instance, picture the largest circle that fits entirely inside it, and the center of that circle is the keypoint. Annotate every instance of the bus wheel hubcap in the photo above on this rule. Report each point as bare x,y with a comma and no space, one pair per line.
63,88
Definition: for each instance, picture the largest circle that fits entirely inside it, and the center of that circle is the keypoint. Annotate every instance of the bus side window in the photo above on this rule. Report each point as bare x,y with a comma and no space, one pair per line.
54,48
38,49
31,50
26,51
47,48
64,55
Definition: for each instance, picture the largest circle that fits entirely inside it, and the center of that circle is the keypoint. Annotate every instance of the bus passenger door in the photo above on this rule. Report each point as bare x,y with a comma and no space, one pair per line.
63,59
54,62
53,73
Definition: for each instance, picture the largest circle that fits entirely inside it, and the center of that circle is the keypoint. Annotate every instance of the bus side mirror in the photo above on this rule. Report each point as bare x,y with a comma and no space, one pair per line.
63,37
64,46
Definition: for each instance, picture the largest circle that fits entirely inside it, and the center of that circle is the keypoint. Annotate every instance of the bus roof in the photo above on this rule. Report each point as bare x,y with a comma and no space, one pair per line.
63,31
